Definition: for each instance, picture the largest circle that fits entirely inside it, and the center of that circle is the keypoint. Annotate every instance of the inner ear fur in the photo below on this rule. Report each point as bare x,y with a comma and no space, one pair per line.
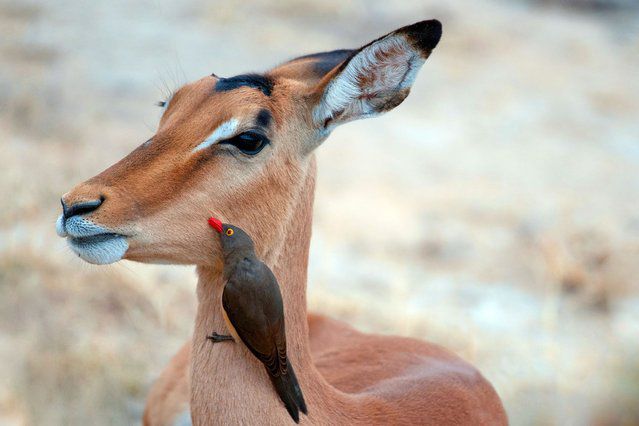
375,78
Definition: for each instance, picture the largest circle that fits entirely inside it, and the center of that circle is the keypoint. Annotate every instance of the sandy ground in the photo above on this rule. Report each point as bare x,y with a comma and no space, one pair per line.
494,212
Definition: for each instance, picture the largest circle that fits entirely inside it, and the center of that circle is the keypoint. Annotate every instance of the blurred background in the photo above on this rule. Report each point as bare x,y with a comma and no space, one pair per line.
495,212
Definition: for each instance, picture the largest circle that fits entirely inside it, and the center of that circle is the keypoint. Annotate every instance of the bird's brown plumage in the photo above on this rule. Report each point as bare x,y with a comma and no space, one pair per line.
253,306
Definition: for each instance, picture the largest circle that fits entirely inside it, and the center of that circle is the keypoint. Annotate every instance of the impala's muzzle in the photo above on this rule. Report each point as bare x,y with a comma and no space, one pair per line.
92,242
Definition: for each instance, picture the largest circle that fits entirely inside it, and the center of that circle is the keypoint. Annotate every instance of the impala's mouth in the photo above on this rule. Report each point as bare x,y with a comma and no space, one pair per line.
91,242
100,249
94,239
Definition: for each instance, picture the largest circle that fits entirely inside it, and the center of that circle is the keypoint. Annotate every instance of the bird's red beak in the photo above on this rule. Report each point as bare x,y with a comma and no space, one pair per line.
215,224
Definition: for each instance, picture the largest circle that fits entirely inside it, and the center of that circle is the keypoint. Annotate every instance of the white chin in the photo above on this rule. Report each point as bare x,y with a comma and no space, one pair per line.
101,249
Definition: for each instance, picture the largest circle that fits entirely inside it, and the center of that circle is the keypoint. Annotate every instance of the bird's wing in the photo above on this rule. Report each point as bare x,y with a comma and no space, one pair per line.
253,304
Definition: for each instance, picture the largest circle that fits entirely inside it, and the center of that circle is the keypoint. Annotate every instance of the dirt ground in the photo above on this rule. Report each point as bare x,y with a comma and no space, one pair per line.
495,212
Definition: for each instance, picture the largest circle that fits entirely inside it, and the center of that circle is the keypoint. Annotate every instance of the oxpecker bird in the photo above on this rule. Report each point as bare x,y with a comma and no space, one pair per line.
254,312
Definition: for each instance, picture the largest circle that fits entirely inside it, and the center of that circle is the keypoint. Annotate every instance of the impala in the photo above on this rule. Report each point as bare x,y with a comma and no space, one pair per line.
242,149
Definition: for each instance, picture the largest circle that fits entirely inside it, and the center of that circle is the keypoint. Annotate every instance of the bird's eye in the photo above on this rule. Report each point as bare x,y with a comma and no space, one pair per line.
248,142
229,232
161,104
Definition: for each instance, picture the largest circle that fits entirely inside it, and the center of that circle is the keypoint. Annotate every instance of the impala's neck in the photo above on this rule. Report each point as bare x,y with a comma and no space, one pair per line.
228,385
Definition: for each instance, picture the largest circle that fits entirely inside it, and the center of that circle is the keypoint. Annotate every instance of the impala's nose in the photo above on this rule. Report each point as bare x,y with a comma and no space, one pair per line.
80,207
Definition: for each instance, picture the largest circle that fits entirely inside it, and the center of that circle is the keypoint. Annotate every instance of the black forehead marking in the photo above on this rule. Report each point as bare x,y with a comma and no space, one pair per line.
263,118
256,81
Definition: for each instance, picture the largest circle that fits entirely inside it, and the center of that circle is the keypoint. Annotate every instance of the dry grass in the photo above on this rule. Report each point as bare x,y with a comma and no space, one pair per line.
79,340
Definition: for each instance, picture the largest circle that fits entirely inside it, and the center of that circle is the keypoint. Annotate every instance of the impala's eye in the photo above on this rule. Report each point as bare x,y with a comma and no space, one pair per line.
164,104
248,142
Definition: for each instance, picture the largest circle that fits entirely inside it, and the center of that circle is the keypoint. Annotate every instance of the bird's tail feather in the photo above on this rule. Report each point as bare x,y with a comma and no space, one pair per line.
289,391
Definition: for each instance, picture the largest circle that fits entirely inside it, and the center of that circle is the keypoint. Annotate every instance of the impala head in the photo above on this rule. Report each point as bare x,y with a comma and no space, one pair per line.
238,149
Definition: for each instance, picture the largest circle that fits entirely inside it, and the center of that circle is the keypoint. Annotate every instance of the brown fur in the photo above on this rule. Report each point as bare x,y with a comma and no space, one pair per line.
160,196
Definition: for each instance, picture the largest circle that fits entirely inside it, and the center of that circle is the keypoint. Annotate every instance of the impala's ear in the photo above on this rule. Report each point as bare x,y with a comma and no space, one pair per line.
375,78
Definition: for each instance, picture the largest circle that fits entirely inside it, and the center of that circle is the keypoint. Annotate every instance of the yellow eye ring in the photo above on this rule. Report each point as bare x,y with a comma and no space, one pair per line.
229,232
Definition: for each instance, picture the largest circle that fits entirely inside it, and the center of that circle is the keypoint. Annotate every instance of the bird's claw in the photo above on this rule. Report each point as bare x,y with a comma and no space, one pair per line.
215,338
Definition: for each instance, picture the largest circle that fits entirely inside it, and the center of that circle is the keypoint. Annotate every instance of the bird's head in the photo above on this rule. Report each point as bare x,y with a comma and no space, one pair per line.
233,238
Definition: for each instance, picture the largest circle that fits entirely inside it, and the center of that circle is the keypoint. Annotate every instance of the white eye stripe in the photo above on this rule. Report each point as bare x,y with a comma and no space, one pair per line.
223,131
